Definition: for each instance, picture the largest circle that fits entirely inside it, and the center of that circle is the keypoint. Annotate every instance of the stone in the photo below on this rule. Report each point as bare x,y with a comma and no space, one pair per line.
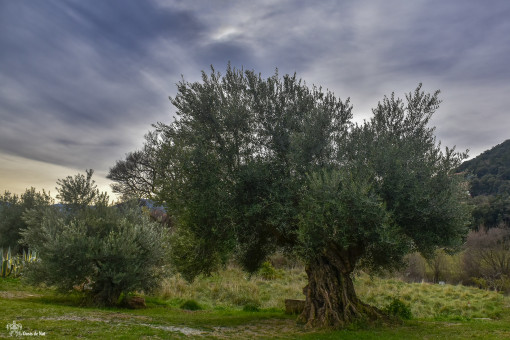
293,306
135,302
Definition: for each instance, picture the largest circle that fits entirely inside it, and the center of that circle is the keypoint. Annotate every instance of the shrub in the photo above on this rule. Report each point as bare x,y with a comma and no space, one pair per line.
114,250
191,305
399,309
267,271
252,306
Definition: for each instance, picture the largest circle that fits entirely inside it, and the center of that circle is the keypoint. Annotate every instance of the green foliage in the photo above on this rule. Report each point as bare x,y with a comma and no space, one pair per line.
338,209
267,271
253,165
79,191
411,174
191,255
491,211
12,208
399,309
252,306
190,305
8,265
112,250
233,164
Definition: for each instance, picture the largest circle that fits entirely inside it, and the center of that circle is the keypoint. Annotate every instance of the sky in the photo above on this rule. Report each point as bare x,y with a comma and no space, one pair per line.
81,82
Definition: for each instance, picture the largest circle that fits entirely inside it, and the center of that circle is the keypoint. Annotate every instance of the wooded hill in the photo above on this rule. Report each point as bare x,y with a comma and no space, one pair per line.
489,185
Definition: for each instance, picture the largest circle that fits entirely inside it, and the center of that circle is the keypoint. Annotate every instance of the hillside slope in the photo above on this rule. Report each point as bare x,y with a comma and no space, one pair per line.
489,185
490,171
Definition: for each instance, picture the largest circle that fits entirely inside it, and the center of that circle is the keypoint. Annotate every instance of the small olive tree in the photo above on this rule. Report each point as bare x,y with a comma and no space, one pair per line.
112,249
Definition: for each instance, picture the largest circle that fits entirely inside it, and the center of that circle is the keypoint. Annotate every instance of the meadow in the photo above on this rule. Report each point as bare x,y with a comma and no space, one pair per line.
234,305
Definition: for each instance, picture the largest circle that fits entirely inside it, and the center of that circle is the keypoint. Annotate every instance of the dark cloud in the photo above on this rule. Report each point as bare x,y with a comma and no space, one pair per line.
74,67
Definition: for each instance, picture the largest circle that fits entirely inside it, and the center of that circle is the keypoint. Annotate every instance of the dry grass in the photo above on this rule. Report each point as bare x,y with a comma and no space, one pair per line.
233,288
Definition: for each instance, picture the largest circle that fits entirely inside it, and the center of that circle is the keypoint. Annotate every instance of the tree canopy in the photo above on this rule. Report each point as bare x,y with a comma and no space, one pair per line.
252,165
135,176
80,191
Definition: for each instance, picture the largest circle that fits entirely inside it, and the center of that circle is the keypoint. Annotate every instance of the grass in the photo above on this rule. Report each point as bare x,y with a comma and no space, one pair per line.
446,312
439,302
233,288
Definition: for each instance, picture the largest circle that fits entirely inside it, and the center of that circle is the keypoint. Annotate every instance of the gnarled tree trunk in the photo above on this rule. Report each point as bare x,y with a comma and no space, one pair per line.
330,297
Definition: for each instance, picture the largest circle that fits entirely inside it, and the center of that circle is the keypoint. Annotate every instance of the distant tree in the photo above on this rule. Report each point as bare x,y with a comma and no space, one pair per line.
491,211
12,208
136,175
79,191
252,165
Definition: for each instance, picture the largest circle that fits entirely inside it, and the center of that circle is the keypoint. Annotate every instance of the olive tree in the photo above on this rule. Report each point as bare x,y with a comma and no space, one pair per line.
252,165
110,249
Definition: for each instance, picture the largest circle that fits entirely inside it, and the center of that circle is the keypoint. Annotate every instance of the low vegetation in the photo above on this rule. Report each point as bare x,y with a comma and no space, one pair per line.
222,307
13,264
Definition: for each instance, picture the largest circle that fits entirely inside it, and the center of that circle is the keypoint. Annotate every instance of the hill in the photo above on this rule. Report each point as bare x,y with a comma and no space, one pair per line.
490,171
489,185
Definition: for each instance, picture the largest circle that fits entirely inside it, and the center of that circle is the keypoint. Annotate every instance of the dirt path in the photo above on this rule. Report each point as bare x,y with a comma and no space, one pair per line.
260,329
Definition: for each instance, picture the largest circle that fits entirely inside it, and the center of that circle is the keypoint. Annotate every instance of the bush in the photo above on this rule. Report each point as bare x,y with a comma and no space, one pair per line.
267,271
191,305
399,309
113,250
251,306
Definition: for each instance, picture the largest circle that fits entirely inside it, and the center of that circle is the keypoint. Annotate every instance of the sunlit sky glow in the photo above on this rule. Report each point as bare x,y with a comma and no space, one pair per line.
81,82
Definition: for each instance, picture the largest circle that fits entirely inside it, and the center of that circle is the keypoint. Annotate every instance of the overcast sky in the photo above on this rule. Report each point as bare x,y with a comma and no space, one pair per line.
81,82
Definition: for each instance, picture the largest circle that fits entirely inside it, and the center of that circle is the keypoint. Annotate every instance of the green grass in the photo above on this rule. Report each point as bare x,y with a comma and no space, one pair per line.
444,312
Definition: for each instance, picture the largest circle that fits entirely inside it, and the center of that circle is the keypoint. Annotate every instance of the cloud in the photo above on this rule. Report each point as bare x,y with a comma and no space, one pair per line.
78,72
81,81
